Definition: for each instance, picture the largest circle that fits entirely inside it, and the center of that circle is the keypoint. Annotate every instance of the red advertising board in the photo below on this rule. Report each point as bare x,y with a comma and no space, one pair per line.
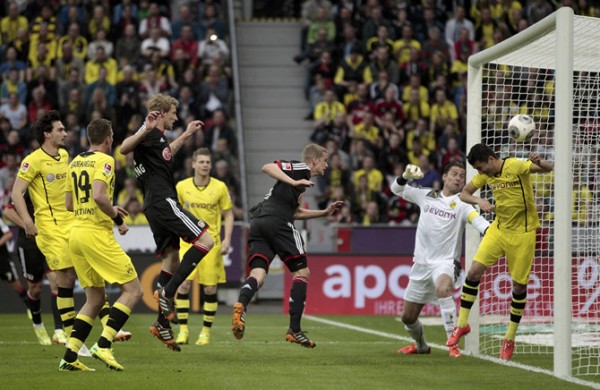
375,285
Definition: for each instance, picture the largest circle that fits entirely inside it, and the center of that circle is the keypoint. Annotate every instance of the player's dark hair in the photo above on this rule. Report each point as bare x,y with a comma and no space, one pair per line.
98,130
455,163
45,124
201,152
480,153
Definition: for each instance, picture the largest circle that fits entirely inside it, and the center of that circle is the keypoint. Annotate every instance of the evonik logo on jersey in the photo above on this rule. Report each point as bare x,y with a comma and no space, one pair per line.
440,213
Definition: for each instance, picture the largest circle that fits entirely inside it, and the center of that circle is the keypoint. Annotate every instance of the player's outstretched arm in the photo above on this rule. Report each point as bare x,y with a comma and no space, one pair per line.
332,209
467,196
133,140
273,170
192,128
539,164
410,173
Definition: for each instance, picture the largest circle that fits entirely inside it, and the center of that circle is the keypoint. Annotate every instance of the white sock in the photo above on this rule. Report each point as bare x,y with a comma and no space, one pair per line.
416,332
448,309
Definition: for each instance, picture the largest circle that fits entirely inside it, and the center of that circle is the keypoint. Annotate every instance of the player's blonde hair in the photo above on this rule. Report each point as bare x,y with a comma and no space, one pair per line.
162,103
312,151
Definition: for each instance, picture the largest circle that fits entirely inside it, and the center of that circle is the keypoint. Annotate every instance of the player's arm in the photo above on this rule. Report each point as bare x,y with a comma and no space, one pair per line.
116,213
273,170
228,230
18,198
467,196
332,209
411,172
193,127
11,214
539,164
132,141
478,222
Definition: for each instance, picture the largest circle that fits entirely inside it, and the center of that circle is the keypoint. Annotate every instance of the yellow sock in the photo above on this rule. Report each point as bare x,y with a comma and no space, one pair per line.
467,298
517,307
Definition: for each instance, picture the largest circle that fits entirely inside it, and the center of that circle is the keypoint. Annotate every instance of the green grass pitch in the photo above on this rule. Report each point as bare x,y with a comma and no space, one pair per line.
343,359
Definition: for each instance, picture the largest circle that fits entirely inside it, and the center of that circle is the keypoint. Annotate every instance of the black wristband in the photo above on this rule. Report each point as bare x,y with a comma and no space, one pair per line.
401,181
118,220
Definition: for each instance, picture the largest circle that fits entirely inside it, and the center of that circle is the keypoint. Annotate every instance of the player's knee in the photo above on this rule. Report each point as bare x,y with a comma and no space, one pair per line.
304,272
184,288
518,288
210,290
206,241
408,318
443,291
35,289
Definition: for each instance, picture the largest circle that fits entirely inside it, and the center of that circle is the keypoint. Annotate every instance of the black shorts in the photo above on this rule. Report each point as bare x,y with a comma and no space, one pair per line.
169,222
8,271
32,259
270,236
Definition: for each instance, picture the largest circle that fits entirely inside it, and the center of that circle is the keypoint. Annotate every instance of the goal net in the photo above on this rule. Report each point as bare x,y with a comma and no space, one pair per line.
551,71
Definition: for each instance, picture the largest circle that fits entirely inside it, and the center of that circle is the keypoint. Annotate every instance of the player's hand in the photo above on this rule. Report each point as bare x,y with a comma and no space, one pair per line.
30,229
194,126
123,229
412,172
122,212
535,158
225,247
485,206
334,207
303,183
152,119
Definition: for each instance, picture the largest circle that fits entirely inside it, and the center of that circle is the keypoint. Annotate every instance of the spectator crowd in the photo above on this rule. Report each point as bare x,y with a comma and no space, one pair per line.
386,86
93,59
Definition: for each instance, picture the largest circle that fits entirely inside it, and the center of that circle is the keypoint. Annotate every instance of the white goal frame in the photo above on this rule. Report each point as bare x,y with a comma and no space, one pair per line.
561,60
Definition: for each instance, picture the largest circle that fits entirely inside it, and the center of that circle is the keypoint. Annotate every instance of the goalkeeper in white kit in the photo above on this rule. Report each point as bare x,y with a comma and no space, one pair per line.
436,269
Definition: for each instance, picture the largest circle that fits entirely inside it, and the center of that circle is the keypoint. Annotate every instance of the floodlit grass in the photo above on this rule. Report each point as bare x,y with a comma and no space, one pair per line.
343,359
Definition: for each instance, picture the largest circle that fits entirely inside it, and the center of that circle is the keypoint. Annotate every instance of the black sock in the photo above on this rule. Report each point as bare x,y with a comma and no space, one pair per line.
81,331
116,319
55,313
297,299
34,307
190,260
249,288
163,279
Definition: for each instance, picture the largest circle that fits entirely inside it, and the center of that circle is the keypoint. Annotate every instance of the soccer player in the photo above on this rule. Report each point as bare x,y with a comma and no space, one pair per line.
34,266
97,257
208,199
272,232
8,271
168,221
512,233
438,244
44,173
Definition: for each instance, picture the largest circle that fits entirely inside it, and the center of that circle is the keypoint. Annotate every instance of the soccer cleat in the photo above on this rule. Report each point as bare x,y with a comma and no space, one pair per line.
183,337
42,335
299,338
165,335
74,366
167,305
106,356
238,323
412,350
507,349
59,337
122,336
453,351
204,337
456,334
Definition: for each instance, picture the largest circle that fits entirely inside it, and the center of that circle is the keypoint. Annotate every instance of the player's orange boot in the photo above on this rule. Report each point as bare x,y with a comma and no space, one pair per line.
165,335
299,338
167,305
456,334
507,349
412,350
238,322
453,351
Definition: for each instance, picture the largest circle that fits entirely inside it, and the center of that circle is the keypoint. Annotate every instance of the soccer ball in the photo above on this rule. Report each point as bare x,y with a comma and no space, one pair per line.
521,127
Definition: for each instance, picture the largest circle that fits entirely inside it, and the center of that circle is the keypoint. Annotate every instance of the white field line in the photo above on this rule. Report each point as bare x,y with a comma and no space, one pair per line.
443,347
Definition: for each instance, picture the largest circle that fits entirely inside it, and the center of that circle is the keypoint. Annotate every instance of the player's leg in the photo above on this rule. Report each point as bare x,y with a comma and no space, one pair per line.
59,332
419,291
519,256
446,276
182,304
210,272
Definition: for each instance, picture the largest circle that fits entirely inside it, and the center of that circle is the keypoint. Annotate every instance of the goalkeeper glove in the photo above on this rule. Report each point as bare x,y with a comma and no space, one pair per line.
412,172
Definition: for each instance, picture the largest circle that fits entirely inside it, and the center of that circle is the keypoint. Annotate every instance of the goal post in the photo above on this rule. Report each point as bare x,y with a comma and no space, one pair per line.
550,71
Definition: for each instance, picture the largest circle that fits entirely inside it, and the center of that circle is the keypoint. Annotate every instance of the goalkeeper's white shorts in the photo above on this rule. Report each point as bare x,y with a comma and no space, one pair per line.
421,286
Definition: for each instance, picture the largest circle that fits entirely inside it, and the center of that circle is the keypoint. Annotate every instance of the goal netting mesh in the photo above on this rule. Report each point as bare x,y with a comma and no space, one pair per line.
523,82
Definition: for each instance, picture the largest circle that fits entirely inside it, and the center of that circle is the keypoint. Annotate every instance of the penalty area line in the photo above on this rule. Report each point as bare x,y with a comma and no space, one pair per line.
525,367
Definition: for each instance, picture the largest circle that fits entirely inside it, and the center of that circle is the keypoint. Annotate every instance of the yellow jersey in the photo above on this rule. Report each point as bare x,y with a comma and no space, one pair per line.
205,202
84,170
513,194
47,177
